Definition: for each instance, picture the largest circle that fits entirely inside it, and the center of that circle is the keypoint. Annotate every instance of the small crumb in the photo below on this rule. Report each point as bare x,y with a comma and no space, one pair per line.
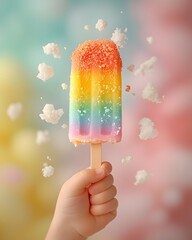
52,49
64,86
65,48
150,40
64,126
101,25
41,98
50,114
147,130
45,71
87,27
125,30
47,170
42,137
150,93
127,159
141,176
119,38
14,110
128,88
131,67
146,67
121,12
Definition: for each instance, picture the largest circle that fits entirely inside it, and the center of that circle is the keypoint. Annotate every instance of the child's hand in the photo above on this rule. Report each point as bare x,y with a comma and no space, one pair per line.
86,204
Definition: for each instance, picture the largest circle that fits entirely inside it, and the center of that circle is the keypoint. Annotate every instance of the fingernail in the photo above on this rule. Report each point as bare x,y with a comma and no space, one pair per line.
99,171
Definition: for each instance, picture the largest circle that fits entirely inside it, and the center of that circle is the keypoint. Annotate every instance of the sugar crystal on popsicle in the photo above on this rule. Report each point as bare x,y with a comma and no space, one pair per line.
95,93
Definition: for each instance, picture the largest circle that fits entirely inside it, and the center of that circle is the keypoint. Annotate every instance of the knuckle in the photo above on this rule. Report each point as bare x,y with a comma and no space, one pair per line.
116,203
105,196
107,207
114,189
110,179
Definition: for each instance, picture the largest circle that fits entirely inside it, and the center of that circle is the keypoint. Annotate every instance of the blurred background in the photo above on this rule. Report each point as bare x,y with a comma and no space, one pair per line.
158,209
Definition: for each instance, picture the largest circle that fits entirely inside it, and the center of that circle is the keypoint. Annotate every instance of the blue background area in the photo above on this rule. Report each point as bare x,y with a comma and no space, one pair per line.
26,26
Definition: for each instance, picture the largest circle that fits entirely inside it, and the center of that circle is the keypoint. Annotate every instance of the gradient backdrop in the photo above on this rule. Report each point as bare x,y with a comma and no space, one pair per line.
160,208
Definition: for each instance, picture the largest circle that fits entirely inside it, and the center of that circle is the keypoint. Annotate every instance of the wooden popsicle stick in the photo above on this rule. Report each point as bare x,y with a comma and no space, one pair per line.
96,155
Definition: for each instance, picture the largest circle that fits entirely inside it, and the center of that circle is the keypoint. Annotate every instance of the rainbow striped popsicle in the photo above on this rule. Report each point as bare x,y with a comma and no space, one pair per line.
95,93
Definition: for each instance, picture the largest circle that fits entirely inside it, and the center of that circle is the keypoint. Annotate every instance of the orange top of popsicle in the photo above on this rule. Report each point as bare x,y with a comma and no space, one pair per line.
98,54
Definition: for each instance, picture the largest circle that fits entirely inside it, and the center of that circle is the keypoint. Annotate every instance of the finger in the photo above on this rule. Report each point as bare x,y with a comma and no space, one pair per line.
101,185
81,180
103,197
107,166
104,208
103,220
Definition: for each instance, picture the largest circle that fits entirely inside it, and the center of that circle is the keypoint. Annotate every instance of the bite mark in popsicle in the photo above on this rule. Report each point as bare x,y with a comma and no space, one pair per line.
95,93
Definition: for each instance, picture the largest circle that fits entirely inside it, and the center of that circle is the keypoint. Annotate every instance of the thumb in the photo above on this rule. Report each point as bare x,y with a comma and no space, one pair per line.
76,184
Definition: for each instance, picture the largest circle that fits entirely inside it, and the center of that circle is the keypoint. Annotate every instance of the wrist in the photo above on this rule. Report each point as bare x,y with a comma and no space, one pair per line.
61,229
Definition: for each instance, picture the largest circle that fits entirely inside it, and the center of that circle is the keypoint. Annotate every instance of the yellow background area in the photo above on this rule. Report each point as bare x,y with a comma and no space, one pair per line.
26,199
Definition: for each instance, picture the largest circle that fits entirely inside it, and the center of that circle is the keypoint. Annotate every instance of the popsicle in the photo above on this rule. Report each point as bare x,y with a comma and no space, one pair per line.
95,114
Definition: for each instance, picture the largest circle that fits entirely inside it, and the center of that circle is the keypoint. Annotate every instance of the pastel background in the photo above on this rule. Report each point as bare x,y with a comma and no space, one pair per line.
160,208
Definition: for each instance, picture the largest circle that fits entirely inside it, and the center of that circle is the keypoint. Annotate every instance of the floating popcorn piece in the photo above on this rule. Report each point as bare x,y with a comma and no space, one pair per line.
42,137
127,159
52,49
65,48
150,93
146,67
64,126
47,170
50,114
101,25
119,38
147,130
14,110
150,39
131,67
45,71
125,30
87,27
64,86
141,176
